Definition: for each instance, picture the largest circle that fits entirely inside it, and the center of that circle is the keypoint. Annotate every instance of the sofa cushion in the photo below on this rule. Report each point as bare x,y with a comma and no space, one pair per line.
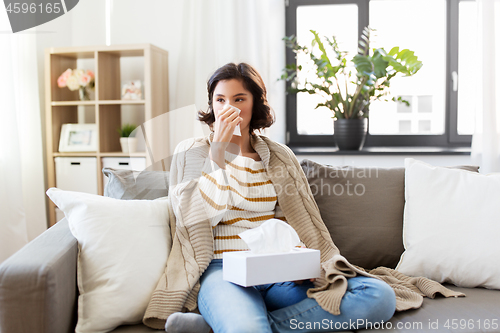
123,248
451,225
140,185
477,312
363,210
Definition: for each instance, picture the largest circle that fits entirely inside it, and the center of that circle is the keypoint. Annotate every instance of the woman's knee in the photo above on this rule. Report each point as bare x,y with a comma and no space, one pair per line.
382,299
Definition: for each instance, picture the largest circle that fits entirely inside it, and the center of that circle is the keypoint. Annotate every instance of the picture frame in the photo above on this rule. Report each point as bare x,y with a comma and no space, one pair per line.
131,90
78,138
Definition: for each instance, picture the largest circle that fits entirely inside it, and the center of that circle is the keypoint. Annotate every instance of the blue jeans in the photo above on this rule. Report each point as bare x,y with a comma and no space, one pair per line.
285,307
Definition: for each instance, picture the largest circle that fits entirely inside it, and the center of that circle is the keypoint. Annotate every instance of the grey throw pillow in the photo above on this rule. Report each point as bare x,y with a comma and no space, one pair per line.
363,210
139,185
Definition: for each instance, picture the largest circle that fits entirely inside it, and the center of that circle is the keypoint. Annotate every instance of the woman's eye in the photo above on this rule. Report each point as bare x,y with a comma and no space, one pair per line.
239,99
220,100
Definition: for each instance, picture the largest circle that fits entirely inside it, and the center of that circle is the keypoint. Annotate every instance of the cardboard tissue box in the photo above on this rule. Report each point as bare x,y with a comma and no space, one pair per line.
250,269
272,258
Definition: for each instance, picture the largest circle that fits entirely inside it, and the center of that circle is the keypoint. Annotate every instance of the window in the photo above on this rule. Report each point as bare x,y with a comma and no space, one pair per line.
345,28
441,32
467,32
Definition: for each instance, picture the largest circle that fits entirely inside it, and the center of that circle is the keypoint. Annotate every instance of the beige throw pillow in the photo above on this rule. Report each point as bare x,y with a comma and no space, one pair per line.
123,247
451,226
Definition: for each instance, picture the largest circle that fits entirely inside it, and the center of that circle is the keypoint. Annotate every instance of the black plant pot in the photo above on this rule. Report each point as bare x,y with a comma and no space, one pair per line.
350,134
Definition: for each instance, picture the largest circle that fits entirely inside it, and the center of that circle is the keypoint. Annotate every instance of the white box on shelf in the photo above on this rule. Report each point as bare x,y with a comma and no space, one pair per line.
249,269
76,174
127,163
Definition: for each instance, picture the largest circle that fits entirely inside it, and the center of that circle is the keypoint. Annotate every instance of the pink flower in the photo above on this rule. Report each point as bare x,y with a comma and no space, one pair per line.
76,78
84,79
61,81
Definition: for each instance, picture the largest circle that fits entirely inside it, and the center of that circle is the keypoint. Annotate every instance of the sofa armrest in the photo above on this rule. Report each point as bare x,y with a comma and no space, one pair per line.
38,290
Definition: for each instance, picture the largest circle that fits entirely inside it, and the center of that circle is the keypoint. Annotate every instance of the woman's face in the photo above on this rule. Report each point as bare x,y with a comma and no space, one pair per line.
232,92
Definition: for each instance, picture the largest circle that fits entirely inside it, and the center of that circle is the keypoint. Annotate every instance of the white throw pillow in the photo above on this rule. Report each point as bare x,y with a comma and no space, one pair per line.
123,247
451,225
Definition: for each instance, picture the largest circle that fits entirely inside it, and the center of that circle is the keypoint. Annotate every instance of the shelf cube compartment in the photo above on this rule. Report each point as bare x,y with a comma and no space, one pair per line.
117,67
125,163
59,63
111,118
76,174
69,114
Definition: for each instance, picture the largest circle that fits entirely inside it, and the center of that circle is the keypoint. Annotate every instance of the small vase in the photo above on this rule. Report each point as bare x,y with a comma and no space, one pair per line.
129,145
84,94
350,134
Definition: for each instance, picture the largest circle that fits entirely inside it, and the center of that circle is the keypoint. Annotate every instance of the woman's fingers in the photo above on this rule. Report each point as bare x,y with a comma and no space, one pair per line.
230,117
227,119
237,120
229,113
301,281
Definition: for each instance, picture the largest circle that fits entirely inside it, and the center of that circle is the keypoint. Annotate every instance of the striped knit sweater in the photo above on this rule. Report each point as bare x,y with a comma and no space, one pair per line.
237,198
192,239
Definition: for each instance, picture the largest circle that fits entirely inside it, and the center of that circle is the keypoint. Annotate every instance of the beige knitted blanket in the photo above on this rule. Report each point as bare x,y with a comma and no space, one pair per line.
192,248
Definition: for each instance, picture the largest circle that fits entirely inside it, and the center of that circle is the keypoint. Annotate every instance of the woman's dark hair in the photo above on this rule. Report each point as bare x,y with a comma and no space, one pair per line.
262,115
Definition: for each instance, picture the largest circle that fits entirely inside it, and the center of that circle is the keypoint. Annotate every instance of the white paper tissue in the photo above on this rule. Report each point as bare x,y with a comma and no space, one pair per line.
270,237
237,130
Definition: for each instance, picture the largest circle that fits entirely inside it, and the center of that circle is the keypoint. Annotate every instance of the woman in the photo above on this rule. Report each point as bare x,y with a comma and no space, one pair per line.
224,184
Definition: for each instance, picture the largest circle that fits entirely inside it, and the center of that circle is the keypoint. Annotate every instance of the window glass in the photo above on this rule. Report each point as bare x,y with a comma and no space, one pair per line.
424,32
328,20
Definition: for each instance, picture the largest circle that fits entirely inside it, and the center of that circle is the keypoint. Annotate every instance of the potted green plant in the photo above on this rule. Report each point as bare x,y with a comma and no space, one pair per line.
349,86
127,140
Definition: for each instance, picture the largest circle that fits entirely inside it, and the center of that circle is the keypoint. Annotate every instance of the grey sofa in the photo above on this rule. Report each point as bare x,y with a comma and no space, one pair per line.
38,291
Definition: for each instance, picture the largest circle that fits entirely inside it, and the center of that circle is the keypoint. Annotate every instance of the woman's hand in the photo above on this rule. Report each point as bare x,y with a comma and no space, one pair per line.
225,122
301,281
